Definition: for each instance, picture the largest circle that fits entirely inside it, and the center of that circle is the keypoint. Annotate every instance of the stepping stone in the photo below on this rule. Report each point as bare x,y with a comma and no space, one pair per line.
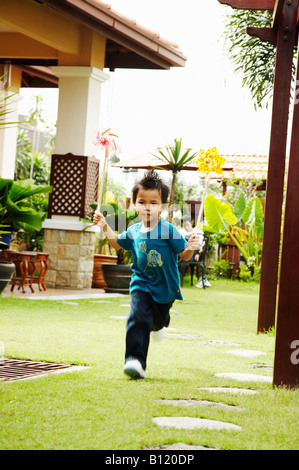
180,446
219,343
245,377
200,403
261,366
194,423
234,391
246,353
182,335
115,317
125,305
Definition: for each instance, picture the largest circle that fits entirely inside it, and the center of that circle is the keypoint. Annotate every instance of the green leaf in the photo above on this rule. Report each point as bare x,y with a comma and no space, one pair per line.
239,207
23,189
218,214
253,216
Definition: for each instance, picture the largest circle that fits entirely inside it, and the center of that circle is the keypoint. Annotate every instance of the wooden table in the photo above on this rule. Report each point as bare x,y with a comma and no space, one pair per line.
31,268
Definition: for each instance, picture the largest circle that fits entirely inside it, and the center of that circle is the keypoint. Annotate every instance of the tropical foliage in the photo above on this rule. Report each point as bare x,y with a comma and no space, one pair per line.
5,102
119,219
16,211
36,164
222,218
254,58
177,159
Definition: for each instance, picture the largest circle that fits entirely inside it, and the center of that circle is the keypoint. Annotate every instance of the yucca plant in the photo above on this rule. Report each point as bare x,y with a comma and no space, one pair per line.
176,161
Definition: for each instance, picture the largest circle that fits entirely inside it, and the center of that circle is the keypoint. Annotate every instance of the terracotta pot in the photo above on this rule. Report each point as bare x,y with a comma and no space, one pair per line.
98,278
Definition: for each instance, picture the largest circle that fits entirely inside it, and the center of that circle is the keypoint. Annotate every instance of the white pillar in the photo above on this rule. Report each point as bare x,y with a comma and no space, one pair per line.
78,108
71,250
8,138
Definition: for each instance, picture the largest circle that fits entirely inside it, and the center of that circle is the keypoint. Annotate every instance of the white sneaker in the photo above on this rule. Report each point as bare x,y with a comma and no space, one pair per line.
206,283
158,335
134,369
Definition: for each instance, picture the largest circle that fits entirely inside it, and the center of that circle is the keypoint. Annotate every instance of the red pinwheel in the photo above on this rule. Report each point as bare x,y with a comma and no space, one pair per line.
106,141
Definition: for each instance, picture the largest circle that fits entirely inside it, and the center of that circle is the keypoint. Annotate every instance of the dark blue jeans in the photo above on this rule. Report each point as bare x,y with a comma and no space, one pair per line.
145,316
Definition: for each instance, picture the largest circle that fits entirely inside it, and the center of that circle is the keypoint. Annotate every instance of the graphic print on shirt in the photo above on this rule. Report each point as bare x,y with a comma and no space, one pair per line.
151,259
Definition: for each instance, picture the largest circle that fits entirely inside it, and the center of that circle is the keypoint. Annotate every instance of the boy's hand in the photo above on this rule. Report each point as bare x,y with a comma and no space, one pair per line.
99,219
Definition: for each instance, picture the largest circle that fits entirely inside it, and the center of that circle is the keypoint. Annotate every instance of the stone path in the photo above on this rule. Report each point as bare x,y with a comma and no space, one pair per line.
182,335
245,353
179,446
194,423
234,391
200,403
245,377
185,422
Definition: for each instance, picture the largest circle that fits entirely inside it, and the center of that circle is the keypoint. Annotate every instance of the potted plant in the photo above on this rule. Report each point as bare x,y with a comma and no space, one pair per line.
6,268
102,255
15,208
16,214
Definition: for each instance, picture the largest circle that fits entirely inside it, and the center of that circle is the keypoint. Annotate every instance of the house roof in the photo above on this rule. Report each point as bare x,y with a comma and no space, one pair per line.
240,167
128,44
244,167
126,38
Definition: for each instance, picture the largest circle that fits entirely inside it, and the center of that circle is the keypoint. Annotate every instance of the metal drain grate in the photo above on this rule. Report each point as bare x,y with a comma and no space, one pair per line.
15,369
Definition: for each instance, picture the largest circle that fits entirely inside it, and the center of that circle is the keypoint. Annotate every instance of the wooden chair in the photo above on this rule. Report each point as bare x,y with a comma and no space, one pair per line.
192,264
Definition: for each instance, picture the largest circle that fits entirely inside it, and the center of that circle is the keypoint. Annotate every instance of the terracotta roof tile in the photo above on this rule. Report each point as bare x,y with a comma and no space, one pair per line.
244,167
148,32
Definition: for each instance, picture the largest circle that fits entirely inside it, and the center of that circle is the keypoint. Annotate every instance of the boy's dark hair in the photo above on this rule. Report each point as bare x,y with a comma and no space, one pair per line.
151,180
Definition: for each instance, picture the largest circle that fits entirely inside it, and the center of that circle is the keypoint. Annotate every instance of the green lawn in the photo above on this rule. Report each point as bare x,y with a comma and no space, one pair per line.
100,408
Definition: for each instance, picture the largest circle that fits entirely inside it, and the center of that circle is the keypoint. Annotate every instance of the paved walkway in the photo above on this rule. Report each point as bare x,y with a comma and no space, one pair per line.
58,294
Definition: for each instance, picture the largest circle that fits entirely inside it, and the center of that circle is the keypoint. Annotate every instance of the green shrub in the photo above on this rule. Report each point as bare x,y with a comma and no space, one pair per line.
245,273
221,268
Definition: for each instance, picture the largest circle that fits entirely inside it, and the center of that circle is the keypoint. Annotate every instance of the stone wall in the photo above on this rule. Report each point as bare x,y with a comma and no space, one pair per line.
70,258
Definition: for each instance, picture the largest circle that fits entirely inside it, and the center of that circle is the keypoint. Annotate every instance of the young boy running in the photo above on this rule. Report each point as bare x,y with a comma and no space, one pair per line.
155,283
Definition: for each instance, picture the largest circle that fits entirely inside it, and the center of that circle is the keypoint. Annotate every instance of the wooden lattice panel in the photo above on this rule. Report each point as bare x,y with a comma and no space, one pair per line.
75,184
91,194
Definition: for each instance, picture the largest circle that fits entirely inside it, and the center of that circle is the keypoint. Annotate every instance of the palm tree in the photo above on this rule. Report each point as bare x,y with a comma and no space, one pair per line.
176,162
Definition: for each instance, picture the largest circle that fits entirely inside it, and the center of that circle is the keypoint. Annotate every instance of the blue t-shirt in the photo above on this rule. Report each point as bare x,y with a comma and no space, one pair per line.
155,260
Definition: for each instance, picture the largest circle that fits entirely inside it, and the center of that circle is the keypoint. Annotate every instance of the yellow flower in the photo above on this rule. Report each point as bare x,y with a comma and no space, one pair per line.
209,161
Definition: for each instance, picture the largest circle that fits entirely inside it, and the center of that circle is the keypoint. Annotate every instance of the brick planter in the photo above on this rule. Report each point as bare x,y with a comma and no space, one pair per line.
70,258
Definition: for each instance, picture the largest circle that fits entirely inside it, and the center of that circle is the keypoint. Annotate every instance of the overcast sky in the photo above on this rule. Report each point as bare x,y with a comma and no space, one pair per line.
204,102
